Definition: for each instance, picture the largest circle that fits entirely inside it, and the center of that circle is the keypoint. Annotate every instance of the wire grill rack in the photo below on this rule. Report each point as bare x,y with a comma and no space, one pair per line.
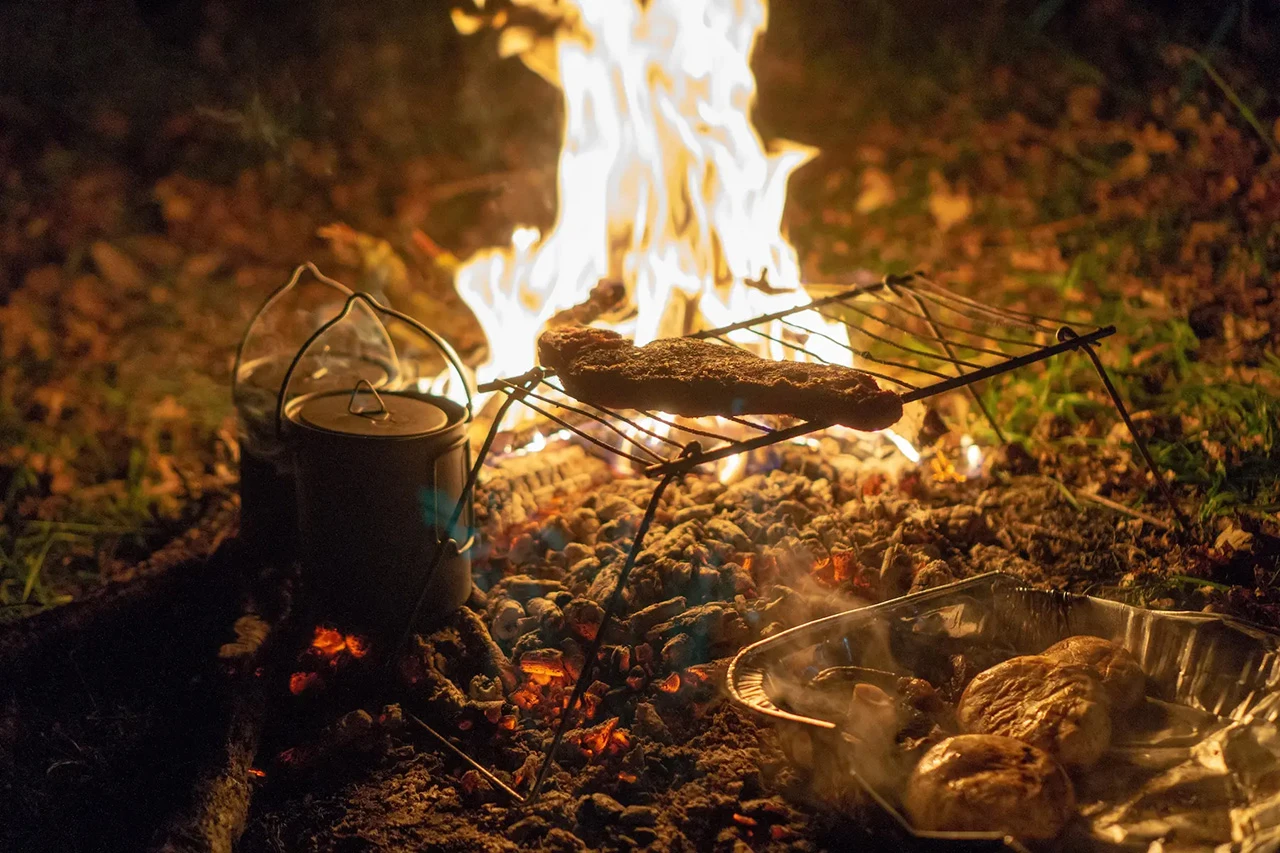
910,333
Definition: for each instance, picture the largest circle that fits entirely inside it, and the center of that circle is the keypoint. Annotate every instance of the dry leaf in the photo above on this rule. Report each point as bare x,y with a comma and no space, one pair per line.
1133,166
1234,539
877,191
116,267
949,207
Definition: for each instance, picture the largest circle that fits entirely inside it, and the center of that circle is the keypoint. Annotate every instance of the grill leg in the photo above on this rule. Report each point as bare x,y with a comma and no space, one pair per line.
531,381
951,354
584,679
1118,401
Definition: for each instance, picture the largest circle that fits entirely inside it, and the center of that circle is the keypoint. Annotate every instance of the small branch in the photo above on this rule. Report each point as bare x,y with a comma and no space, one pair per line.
475,765
1119,507
480,183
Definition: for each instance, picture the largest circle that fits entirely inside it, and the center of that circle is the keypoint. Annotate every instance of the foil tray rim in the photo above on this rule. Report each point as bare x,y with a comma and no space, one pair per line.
745,676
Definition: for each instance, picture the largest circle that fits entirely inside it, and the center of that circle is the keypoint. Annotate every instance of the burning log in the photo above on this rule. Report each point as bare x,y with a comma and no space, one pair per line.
678,652
643,621
606,297
180,569
522,588
716,624
545,617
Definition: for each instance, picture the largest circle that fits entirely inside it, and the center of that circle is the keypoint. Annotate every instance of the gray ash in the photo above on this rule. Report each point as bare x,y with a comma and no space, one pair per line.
657,757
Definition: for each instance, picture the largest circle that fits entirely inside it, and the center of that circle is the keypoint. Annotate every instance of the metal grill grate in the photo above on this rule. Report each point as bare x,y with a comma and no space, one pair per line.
906,331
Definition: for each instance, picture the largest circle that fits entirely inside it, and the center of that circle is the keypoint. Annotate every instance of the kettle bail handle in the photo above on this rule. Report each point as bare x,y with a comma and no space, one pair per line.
377,307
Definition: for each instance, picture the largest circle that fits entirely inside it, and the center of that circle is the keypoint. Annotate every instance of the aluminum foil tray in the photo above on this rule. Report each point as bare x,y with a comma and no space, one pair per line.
1196,767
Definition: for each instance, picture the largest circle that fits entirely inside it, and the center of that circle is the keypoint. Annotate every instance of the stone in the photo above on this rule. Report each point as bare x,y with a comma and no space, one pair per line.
597,810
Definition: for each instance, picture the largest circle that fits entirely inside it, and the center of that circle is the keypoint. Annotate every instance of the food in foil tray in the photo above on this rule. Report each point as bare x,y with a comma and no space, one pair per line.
980,783
1169,740
1123,678
996,760
1061,708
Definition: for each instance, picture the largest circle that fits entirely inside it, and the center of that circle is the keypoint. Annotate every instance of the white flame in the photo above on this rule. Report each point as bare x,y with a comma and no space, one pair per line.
908,449
663,184
972,455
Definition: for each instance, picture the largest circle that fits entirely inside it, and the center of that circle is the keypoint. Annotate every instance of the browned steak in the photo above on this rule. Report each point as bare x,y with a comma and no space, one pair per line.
683,376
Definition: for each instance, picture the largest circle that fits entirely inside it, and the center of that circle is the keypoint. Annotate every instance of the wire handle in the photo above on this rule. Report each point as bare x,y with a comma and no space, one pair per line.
377,410
276,296
378,308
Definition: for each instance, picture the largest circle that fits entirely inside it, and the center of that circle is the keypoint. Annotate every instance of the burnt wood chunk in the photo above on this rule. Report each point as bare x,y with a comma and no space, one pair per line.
694,378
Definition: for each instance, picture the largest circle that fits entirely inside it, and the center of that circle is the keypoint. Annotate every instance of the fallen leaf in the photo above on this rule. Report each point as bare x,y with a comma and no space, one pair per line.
877,191
1234,539
116,267
949,207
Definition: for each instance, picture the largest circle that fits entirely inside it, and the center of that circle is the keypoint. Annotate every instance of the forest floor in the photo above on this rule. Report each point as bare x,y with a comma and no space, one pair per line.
158,184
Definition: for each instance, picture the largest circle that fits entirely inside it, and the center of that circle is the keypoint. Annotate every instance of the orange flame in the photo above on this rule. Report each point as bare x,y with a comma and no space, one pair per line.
664,184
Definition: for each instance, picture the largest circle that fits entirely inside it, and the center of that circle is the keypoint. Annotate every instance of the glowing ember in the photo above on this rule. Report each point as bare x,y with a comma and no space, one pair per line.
357,646
670,684
300,682
542,666
604,739
328,641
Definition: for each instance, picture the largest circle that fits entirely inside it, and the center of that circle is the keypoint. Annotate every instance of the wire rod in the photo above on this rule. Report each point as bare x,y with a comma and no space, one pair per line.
475,765
795,347
1012,312
593,649
747,423
948,300
926,353
603,421
937,335
961,329
778,315
973,391
682,428
591,438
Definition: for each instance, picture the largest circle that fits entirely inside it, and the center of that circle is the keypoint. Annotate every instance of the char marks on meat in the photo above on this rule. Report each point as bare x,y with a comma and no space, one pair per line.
694,378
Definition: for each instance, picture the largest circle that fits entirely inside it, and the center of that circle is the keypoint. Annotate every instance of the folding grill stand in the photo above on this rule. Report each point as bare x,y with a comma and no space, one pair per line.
909,315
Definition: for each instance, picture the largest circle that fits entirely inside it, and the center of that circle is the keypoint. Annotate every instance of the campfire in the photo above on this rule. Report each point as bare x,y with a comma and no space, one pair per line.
605,618
628,529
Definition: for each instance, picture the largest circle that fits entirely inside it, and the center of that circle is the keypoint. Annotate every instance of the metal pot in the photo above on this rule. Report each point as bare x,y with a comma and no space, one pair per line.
384,513
378,479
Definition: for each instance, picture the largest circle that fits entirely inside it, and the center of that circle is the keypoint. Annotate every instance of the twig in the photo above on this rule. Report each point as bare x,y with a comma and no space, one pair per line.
479,183
1119,507
477,766
1067,494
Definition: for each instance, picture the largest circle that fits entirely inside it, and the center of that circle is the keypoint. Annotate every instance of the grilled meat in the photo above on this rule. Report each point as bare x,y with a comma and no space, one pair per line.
685,376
